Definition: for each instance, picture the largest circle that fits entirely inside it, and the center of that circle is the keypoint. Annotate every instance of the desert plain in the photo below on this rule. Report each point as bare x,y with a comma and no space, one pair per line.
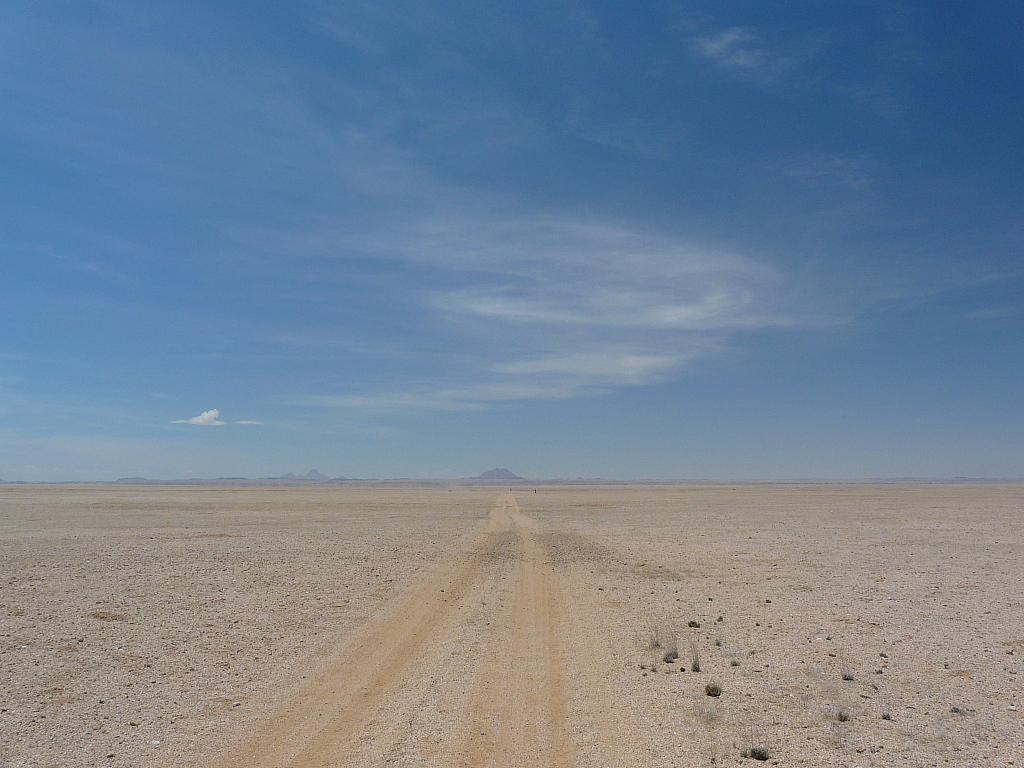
474,625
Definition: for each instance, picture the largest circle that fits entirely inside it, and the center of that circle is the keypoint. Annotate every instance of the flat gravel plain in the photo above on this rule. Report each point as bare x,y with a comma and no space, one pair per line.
405,625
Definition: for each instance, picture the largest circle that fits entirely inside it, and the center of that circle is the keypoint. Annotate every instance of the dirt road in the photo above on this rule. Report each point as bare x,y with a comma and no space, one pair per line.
489,637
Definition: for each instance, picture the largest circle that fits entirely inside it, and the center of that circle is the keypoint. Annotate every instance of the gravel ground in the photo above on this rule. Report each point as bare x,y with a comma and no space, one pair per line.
157,626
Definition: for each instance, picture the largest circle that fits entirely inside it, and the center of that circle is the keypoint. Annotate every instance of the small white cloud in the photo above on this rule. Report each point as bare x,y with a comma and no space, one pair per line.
249,422
210,418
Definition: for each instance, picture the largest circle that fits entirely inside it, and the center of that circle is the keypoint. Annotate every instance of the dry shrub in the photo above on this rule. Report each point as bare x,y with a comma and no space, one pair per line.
694,656
662,641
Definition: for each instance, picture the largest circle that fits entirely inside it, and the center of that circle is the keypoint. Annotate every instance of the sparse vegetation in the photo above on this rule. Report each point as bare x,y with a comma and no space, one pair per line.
846,673
756,752
713,689
886,714
662,643
734,662
840,714
694,657
709,710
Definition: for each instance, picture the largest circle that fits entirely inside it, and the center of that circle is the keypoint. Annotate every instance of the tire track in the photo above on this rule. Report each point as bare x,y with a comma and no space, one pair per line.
318,726
525,695
519,711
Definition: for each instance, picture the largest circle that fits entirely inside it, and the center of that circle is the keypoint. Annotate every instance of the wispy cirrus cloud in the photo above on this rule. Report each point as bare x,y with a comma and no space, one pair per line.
737,49
614,366
857,171
468,398
583,308
764,57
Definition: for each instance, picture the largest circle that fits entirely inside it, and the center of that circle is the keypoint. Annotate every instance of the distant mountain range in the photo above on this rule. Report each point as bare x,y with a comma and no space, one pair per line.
313,475
498,473
502,475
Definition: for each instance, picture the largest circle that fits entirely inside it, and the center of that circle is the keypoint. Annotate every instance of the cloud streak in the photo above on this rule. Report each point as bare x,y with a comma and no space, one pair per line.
584,308
735,49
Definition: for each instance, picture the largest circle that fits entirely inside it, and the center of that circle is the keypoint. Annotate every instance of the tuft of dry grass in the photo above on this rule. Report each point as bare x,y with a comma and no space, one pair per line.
694,656
709,710
662,642
713,689
839,714
846,673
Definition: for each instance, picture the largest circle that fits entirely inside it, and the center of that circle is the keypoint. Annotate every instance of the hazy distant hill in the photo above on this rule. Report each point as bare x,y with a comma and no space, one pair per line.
499,473
314,475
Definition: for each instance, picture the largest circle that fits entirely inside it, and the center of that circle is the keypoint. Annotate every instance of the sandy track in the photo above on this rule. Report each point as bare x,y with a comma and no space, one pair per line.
516,712
519,712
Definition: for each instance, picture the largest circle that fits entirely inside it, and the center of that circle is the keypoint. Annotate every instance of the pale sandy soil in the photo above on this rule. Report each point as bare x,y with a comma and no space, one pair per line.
424,626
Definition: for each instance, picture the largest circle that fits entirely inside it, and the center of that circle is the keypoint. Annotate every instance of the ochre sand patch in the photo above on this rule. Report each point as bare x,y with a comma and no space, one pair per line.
429,626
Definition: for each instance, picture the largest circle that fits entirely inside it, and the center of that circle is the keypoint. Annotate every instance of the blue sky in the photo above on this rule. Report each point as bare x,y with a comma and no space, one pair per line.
692,239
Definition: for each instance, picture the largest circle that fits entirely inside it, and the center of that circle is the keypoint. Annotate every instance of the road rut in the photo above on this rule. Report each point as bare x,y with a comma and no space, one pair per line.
516,705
